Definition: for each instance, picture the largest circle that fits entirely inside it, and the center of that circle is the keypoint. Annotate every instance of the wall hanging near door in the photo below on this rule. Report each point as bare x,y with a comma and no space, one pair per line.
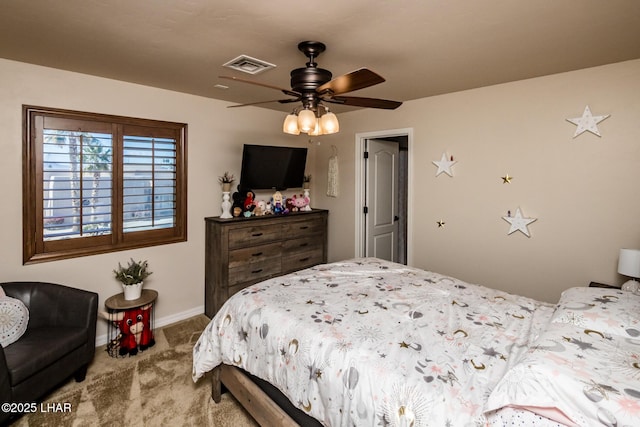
332,174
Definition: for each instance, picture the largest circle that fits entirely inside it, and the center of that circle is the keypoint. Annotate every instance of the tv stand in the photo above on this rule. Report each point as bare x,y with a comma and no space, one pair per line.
242,251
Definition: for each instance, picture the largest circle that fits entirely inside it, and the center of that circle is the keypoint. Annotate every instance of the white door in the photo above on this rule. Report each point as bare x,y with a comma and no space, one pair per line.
381,220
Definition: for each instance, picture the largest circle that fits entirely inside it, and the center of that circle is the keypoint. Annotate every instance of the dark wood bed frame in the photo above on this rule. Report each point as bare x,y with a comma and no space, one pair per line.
258,404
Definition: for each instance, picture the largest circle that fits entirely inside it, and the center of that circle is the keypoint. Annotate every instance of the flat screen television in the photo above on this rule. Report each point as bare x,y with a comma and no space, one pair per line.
266,167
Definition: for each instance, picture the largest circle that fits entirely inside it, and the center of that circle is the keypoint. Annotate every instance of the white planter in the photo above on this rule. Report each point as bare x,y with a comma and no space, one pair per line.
132,292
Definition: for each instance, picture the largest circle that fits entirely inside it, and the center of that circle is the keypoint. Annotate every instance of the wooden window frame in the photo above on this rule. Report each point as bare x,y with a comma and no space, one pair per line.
35,249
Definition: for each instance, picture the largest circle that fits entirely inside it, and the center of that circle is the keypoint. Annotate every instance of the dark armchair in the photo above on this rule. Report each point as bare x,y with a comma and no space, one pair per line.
59,342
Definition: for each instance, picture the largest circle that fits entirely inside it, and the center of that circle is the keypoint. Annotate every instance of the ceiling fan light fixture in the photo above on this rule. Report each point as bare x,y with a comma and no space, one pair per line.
290,125
329,123
306,120
311,86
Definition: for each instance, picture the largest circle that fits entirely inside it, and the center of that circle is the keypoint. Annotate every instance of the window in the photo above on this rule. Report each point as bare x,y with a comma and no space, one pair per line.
96,183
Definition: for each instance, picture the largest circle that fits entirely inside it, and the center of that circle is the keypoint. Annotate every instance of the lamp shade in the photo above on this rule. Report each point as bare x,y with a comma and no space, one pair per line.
316,130
329,123
629,262
306,120
290,125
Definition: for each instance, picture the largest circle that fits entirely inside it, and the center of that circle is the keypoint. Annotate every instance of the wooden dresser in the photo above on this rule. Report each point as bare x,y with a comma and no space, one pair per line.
243,251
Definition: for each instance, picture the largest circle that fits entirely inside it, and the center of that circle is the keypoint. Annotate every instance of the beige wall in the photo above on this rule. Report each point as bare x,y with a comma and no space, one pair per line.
584,191
215,138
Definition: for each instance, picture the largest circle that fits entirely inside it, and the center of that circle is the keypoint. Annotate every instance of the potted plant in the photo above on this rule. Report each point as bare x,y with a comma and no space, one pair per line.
132,277
226,180
306,180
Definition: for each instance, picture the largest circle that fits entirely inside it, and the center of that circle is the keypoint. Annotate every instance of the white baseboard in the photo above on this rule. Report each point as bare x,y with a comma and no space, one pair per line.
163,321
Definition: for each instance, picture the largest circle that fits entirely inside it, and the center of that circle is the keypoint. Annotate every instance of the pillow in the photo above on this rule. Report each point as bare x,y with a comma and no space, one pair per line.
14,318
608,311
576,377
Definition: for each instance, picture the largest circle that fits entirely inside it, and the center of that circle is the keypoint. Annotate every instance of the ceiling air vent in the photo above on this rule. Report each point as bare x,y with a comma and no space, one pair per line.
249,65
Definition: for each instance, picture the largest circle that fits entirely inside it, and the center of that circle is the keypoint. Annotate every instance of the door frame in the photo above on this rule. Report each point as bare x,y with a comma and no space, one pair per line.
360,194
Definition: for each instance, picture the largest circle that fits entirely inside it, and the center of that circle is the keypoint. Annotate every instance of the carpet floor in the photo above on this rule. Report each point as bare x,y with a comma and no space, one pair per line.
153,388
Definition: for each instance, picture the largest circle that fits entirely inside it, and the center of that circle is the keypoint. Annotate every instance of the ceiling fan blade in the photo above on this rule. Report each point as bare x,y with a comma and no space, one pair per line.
355,101
358,79
285,91
282,101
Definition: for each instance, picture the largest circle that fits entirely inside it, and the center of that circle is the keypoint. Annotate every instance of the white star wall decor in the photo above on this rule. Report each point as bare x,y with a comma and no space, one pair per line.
587,123
518,222
444,165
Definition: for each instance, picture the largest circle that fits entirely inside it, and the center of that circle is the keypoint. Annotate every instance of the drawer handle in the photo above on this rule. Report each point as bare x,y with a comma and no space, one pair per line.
256,235
302,245
304,227
304,259
257,254
256,271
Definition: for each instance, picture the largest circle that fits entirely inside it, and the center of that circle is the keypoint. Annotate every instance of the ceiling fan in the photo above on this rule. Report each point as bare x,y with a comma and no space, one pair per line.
313,86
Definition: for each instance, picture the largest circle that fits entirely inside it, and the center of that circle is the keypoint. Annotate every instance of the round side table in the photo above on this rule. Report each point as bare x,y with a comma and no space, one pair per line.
131,323
117,302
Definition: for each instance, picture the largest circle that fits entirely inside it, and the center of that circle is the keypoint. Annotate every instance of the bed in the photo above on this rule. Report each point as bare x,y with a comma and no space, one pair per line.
367,342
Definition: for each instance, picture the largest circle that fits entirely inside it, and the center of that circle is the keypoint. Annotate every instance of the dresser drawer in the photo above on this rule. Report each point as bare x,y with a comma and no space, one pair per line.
294,246
301,259
248,256
250,236
254,271
296,229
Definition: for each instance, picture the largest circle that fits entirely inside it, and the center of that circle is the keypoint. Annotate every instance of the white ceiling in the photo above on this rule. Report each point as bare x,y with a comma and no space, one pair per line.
422,47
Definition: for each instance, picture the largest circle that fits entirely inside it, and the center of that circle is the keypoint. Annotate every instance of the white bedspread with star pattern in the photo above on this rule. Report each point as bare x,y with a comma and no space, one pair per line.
368,342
